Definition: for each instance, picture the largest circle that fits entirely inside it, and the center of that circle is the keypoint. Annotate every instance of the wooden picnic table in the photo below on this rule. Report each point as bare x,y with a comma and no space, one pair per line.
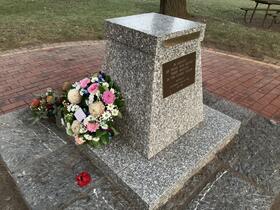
266,2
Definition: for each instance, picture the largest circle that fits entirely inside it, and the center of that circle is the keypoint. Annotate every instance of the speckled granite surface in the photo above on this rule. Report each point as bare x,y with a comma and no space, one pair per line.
49,182
134,58
102,197
44,165
154,181
19,142
251,163
243,195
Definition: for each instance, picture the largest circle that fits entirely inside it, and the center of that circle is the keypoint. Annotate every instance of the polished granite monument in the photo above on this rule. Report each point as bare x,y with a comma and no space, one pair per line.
167,134
156,60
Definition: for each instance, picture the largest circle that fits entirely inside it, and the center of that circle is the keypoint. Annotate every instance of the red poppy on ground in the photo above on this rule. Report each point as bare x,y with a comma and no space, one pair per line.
35,103
83,179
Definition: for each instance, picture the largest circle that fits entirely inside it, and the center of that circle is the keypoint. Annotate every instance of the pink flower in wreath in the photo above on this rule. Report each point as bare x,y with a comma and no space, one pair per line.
93,88
108,97
84,82
79,141
92,127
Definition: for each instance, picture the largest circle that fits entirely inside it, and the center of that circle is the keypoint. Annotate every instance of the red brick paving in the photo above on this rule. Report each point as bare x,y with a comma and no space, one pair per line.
248,83
22,73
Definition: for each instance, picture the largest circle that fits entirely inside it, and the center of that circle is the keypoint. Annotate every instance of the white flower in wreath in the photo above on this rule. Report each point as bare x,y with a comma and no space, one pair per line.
96,109
69,108
94,79
76,125
115,112
85,122
78,87
110,107
74,96
98,94
106,115
91,118
75,108
49,90
83,129
105,84
96,139
104,126
112,90
88,137
88,119
90,98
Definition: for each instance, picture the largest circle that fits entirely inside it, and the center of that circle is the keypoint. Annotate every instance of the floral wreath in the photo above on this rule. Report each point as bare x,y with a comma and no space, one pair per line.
89,110
45,106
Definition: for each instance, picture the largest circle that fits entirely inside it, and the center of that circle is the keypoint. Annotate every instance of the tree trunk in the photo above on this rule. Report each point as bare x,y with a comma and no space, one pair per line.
177,8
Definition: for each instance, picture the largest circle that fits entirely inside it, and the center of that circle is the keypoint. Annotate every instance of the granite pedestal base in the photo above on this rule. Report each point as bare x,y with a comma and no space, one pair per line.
152,182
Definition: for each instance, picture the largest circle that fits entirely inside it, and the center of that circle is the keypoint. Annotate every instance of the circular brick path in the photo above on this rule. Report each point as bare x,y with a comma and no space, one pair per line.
244,81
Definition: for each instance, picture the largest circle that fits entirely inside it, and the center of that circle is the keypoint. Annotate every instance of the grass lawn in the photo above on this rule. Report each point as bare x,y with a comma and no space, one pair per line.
226,29
31,22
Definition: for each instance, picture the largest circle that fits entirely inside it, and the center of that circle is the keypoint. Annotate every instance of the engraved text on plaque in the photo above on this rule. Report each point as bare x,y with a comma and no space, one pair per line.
178,74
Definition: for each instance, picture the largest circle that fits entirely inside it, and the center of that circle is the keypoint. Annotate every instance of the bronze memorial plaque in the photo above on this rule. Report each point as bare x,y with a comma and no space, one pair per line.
178,74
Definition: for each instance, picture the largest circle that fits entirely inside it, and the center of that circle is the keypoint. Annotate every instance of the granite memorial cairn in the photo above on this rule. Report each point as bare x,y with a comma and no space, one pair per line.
167,134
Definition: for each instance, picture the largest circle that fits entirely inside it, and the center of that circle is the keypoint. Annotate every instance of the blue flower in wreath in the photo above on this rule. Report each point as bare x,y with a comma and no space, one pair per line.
101,77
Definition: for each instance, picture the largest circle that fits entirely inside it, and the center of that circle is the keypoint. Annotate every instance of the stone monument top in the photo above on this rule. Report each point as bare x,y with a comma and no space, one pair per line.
151,31
155,24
